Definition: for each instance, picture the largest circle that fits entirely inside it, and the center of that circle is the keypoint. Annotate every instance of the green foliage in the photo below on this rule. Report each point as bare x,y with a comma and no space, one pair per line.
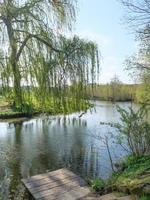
44,70
134,176
135,129
97,184
107,92
144,197
48,89
139,68
138,165
143,93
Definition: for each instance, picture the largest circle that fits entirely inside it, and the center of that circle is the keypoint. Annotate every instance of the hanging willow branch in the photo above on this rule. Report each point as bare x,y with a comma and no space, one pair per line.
44,69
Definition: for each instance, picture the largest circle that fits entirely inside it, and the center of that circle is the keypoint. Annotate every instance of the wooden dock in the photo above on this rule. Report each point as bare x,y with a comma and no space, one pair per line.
60,185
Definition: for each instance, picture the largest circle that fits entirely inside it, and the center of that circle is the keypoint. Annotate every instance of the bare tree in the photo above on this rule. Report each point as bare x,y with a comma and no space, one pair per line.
138,12
138,16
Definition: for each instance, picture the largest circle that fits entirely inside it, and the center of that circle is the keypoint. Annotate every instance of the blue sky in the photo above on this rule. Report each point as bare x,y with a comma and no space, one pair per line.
101,21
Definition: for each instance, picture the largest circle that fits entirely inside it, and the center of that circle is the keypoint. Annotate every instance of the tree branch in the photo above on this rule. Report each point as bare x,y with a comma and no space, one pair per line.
29,36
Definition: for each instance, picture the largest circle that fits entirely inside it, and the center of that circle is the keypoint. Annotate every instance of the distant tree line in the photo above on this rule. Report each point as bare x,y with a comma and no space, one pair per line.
114,91
107,93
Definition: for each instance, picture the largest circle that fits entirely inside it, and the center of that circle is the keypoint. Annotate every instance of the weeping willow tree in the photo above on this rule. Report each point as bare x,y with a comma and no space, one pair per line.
64,76
43,68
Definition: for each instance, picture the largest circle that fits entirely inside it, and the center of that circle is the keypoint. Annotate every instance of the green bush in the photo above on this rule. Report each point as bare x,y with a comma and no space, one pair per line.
97,184
135,130
134,177
144,197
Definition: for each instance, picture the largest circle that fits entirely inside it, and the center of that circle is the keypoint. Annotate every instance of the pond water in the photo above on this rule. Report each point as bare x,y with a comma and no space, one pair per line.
49,143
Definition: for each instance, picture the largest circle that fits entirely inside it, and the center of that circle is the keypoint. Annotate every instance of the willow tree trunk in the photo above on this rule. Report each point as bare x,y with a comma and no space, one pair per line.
14,65
17,86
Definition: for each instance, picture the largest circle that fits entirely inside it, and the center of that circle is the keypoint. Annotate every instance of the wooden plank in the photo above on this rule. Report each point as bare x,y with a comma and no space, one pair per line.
60,184
55,184
54,173
74,194
57,190
47,180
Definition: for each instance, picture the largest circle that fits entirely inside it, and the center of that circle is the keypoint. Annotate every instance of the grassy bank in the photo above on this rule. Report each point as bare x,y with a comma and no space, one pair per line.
135,176
132,178
7,111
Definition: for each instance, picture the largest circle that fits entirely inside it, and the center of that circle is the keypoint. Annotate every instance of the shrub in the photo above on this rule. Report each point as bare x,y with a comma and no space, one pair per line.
144,197
97,184
135,129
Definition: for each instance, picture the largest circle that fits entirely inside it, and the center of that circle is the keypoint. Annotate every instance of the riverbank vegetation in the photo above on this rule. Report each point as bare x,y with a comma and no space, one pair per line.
117,92
131,175
136,176
132,178
134,129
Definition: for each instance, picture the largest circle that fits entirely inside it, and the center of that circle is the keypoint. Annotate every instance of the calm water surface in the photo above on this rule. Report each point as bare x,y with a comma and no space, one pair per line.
49,143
